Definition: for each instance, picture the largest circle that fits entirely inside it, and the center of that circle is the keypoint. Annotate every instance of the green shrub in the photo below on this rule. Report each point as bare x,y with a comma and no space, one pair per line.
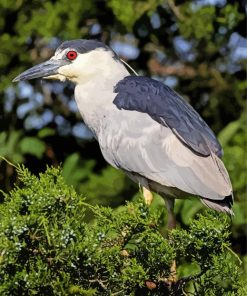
49,246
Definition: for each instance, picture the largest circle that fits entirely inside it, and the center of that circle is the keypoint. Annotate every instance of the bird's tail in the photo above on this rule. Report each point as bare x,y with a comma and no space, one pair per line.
224,205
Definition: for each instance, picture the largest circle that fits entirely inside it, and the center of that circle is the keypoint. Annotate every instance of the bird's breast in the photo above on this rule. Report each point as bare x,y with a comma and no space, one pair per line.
93,104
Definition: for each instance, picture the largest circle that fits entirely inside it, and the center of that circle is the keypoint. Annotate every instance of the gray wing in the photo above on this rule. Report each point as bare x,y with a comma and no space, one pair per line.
166,107
136,143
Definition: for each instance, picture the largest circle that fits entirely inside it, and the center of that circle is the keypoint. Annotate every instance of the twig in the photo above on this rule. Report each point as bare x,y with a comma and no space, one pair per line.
117,293
233,253
100,282
8,162
92,208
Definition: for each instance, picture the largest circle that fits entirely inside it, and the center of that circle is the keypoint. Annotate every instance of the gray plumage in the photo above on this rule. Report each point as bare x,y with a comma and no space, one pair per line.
153,156
174,114
82,46
143,127
164,105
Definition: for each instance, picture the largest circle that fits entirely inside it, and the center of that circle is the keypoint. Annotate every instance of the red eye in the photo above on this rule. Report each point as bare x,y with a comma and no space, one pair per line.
71,55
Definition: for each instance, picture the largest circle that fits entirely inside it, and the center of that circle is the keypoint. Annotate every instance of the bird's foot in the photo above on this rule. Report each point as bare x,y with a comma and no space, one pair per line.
148,196
172,279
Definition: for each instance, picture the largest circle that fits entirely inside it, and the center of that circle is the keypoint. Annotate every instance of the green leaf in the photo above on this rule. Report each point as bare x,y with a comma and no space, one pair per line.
240,217
9,146
46,132
129,11
75,170
33,146
189,209
228,132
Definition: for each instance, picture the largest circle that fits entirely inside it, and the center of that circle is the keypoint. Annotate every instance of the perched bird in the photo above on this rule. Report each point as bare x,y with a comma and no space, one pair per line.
143,127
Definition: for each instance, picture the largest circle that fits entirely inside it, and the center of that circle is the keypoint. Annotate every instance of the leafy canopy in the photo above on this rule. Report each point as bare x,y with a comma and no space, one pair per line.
50,244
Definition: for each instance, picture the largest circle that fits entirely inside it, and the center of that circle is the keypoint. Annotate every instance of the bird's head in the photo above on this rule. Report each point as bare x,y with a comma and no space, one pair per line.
75,60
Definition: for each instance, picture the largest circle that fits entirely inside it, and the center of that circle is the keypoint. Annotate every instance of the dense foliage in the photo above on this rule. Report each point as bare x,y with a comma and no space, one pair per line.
197,47
47,248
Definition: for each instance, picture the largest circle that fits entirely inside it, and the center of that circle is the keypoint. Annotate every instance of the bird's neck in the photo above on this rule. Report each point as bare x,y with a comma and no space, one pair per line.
95,97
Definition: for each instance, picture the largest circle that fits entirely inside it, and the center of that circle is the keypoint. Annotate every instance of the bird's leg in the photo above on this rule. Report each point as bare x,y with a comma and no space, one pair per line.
171,225
148,196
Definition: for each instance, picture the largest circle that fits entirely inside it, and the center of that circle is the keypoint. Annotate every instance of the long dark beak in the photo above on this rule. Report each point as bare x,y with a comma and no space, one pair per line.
42,70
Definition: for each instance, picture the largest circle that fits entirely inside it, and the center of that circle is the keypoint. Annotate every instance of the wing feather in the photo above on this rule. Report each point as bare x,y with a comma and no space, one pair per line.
142,146
166,107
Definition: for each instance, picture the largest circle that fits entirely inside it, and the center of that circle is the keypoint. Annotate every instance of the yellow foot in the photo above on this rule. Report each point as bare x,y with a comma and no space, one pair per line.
148,196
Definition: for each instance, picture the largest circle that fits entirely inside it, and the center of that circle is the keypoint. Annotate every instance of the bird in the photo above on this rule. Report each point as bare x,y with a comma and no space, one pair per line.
143,127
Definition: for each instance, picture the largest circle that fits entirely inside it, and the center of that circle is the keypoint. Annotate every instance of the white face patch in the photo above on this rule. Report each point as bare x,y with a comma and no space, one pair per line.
90,66
86,65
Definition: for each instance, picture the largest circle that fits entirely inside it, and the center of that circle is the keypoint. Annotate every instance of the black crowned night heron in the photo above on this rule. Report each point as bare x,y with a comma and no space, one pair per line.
143,127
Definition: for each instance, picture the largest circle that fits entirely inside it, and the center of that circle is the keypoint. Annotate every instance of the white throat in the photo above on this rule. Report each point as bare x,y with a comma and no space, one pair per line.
94,90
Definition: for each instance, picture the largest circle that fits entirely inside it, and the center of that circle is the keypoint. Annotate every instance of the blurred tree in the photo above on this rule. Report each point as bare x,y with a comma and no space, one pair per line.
197,47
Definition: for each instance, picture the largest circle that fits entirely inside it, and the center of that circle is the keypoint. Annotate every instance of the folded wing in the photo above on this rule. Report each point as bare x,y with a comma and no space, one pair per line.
165,106
165,140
